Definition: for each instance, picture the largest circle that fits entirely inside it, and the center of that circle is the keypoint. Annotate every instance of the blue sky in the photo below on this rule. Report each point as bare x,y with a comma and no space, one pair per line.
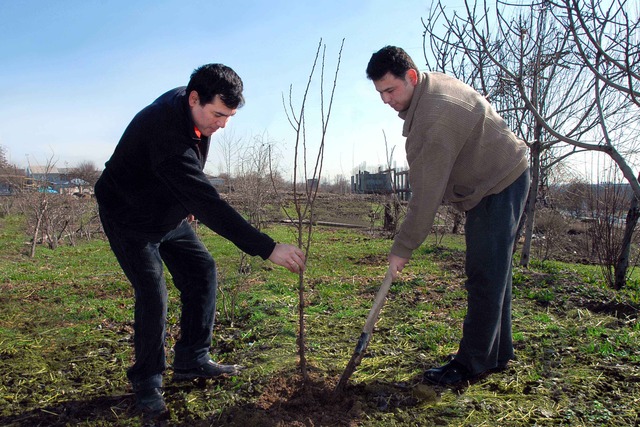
73,73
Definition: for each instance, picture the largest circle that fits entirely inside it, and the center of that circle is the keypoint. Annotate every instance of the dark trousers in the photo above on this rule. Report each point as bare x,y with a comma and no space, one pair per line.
490,232
142,259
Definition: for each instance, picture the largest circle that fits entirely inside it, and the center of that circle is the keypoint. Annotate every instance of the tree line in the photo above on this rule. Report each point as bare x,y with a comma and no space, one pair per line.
565,75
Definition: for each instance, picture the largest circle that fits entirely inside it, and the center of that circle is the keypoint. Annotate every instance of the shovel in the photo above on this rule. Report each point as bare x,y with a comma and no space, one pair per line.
365,337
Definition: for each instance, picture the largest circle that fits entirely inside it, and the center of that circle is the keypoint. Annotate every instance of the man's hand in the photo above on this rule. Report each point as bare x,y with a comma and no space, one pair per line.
396,264
289,257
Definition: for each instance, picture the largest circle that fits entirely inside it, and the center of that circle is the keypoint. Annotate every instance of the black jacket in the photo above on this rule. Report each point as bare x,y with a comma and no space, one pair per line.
155,178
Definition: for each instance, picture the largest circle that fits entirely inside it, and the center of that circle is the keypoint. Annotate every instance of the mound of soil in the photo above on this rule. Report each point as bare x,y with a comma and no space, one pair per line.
287,400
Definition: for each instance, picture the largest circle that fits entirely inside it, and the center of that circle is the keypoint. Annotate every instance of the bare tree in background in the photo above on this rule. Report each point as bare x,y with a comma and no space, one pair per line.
607,201
252,192
393,208
85,174
252,182
341,184
11,182
4,163
231,148
523,59
310,172
35,206
607,40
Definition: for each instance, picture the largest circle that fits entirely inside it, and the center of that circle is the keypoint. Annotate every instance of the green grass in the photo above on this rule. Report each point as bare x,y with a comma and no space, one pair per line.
66,337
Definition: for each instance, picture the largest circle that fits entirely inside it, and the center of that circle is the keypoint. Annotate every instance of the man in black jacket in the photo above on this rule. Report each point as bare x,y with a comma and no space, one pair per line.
150,186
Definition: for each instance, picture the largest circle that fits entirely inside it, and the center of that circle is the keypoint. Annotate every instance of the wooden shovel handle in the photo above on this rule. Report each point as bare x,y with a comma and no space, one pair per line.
365,337
378,303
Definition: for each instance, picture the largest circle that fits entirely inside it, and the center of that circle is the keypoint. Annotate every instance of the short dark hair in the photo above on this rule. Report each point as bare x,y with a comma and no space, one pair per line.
216,79
389,59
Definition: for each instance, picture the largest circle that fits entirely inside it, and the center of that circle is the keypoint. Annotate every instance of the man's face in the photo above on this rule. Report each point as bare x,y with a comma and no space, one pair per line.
210,117
395,91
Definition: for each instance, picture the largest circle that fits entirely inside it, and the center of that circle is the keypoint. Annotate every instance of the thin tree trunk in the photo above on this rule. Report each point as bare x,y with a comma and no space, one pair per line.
39,216
302,345
530,208
622,263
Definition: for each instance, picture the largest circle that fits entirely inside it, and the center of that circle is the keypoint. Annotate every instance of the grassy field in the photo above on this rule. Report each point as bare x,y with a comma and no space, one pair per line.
66,341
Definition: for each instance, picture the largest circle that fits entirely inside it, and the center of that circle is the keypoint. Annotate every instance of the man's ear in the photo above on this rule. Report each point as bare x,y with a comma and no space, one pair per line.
194,99
412,76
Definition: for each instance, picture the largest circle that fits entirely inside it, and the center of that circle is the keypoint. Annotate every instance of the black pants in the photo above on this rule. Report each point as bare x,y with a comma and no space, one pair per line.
194,274
490,232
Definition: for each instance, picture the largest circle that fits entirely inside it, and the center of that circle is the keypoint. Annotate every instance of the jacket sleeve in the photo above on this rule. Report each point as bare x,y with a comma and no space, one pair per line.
184,178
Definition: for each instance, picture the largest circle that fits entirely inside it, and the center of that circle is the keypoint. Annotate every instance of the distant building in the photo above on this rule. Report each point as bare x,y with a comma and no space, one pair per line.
45,178
383,182
51,179
45,175
371,183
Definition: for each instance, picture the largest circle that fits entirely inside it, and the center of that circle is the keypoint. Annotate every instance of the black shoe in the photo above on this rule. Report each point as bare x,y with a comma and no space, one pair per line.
500,368
210,369
449,374
150,402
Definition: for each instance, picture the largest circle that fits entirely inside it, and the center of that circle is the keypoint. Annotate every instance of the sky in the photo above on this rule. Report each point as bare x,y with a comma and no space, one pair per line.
74,73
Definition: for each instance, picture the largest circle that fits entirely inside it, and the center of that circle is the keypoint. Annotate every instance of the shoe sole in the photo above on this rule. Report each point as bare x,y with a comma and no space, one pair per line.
149,412
201,373
471,379
190,377
448,384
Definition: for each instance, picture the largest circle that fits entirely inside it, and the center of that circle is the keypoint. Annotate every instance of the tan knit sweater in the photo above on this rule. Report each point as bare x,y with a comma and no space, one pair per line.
458,149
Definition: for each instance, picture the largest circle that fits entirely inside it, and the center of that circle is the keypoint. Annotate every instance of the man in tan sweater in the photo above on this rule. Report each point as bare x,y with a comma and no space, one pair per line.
460,151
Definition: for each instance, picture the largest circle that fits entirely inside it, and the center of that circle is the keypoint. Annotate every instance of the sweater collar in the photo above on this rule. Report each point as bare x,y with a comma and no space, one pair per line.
407,115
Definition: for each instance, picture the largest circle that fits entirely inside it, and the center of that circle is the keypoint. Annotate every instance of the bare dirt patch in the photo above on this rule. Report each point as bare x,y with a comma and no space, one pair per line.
288,401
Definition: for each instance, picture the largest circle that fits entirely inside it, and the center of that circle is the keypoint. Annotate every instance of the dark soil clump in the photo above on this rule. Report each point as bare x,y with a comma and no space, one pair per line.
288,401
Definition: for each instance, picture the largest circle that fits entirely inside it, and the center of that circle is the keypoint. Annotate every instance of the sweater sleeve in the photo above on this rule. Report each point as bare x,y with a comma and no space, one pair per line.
184,178
430,162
